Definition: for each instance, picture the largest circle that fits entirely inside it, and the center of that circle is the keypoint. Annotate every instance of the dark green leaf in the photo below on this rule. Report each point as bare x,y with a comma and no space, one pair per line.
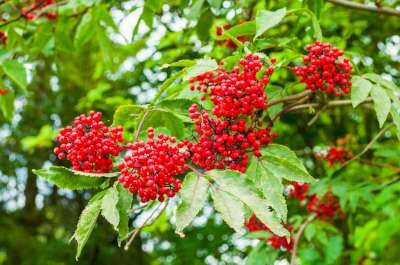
125,199
16,72
7,105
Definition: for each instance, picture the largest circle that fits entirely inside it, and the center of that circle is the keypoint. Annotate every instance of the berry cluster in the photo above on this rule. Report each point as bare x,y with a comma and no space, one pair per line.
325,208
30,13
239,99
334,155
228,43
151,167
3,91
89,144
236,92
276,242
3,37
324,71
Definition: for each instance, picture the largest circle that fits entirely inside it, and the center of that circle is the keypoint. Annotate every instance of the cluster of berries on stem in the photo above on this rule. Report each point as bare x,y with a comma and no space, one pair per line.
326,207
275,241
233,128
334,155
31,12
151,167
89,144
323,69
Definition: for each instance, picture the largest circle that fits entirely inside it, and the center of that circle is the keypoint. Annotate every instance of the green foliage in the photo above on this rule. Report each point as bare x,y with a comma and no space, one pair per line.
16,72
266,19
109,208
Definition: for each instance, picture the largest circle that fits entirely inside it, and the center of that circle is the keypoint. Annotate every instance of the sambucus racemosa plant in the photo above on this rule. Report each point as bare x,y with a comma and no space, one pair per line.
229,152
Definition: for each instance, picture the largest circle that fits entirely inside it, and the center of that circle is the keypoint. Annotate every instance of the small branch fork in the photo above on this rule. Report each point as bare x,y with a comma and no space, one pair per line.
298,236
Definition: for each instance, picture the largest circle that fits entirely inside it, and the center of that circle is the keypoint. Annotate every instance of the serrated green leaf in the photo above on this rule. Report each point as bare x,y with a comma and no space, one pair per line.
7,105
333,249
109,207
270,185
125,199
382,103
201,66
246,28
164,117
229,207
283,162
267,19
85,30
16,72
67,179
126,113
195,9
238,185
87,222
194,194
359,90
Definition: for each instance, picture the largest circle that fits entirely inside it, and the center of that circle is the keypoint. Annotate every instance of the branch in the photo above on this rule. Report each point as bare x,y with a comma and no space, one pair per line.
288,108
145,223
288,98
142,119
363,7
369,145
298,236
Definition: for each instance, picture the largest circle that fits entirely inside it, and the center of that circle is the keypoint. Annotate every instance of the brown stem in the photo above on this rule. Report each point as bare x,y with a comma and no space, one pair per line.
140,125
145,223
359,6
369,145
288,108
289,98
298,236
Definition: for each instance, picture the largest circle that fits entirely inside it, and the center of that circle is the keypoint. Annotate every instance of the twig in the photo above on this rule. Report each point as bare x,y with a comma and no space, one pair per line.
140,125
23,14
369,145
298,236
145,223
195,170
359,6
288,108
289,98
315,118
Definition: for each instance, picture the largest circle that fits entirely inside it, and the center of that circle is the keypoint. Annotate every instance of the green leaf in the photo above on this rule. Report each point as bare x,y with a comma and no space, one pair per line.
246,28
126,113
262,255
315,6
87,221
215,3
16,72
359,90
310,231
201,66
204,25
67,179
283,162
155,5
238,185
124,204
194,194
395,112
267,19
7,105
109,207
333,249
163,117
195,10
229,207
382,103
270,185
180,63
85,30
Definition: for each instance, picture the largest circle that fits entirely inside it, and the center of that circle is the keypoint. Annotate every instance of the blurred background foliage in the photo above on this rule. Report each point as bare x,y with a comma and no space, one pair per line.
100,54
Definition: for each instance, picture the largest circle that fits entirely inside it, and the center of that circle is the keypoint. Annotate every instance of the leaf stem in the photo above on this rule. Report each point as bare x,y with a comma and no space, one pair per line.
140,125
298,236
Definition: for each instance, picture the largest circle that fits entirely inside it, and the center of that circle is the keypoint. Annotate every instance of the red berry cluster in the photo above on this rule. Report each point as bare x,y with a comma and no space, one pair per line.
89,144
335,155
276,242
30,13
151,167
3,91
225,143
3,37
325,208
324,71
238,91
239,99
228,43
